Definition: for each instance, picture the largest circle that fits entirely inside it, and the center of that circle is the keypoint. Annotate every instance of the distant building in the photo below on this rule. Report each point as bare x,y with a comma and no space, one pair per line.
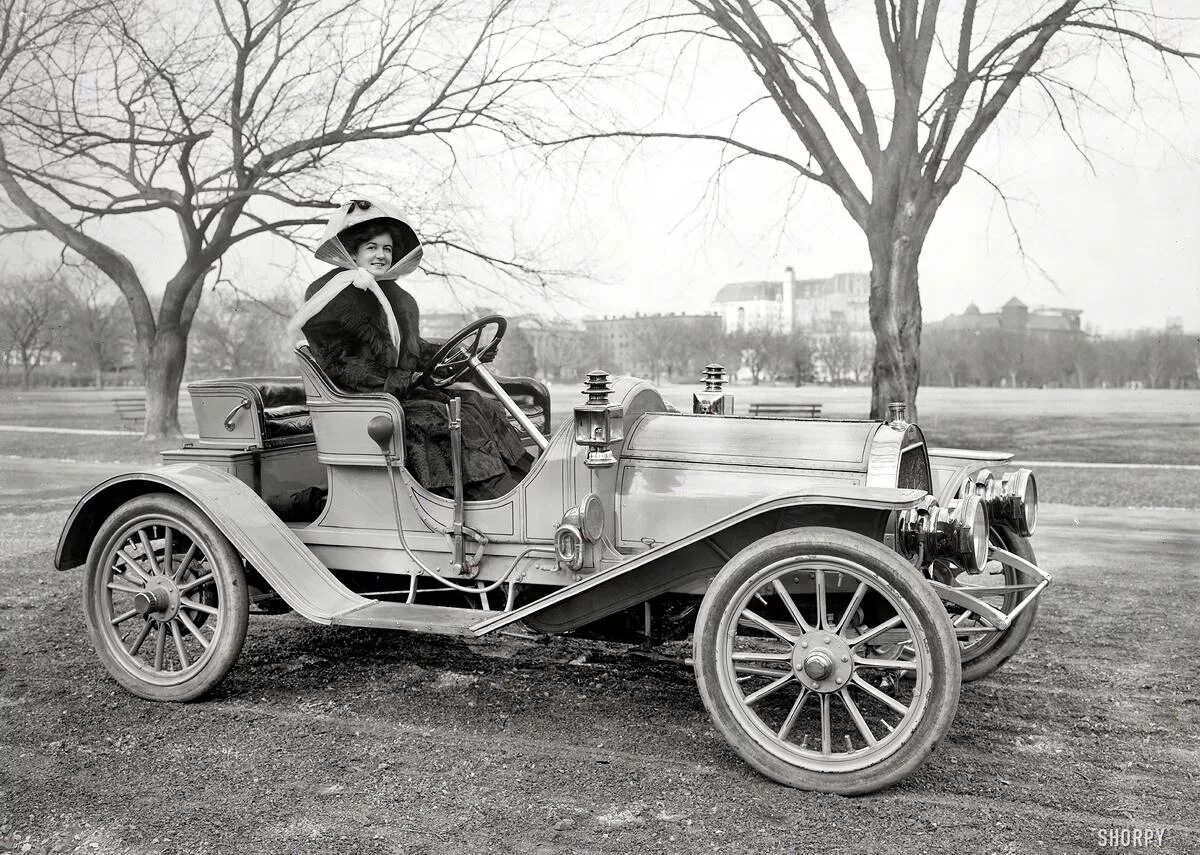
650,345
833,313
1015,316
796,304
559,349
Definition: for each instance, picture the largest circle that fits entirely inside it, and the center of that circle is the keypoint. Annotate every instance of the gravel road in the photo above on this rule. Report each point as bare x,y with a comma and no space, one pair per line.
347,740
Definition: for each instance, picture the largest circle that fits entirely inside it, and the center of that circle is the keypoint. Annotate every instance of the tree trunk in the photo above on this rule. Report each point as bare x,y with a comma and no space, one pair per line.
99,377
26,374
164,362
895,307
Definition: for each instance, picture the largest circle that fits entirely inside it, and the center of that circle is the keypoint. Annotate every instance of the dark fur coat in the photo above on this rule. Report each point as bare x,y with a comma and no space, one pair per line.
349,339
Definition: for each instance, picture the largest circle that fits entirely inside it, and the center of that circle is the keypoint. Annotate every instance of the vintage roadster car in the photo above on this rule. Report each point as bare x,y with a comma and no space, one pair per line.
838,578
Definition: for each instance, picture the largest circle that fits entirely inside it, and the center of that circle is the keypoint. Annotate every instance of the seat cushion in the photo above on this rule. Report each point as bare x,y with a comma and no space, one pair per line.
283,421
293,426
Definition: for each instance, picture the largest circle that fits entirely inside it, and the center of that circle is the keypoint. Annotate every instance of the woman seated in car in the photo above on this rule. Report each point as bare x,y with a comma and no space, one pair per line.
364,349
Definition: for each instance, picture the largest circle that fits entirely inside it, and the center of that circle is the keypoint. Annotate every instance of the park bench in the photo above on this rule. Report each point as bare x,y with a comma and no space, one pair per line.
794,411
131,411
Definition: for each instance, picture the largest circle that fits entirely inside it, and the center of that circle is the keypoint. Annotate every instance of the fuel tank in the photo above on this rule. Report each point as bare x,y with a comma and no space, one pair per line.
678,472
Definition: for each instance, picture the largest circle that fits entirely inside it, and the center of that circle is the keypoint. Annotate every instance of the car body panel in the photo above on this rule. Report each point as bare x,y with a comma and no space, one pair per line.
949,466
264,540
659,568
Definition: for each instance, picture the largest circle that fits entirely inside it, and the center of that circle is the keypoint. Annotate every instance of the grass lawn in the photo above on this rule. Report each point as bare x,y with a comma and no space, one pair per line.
1091,425
77,408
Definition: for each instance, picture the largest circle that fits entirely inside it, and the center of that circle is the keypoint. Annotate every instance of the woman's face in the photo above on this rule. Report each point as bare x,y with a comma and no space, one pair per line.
375,254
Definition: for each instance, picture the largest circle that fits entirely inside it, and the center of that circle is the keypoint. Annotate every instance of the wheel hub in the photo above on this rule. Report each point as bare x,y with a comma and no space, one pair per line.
818,665
822,661
160,602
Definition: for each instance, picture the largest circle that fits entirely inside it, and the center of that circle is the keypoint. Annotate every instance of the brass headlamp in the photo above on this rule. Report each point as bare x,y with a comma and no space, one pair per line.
1011,499
958,531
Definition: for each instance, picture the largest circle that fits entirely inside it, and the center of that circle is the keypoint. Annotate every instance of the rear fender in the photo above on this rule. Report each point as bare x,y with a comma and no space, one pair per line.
698,556
255,531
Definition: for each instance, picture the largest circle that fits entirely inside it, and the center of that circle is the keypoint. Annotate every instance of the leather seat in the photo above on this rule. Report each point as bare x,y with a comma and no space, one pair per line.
287,420
278,395
285,410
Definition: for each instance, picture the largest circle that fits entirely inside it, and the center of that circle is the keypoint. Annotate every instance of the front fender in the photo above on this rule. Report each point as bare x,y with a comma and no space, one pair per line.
255,531
645,575
949,466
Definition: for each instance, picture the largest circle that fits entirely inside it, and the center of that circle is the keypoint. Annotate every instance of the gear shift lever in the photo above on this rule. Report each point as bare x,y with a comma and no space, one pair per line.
381,429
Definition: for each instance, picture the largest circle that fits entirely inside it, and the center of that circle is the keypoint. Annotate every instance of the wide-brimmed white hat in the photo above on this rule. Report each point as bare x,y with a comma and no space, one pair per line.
332,250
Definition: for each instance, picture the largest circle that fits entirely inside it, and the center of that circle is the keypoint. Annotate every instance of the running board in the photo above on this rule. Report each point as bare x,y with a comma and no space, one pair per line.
437,620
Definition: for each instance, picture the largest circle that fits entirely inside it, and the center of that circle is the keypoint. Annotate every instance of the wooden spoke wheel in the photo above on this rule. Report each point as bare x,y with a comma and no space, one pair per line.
786,658
165,599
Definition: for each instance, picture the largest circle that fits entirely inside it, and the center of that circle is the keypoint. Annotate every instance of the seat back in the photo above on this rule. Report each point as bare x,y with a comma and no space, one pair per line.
235,412
340,418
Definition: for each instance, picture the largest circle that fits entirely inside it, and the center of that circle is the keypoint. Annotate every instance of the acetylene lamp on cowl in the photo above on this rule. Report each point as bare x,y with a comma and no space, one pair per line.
598,424
712,400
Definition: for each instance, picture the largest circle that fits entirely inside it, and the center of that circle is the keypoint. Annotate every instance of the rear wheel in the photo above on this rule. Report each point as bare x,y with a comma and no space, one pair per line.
165,599
786,654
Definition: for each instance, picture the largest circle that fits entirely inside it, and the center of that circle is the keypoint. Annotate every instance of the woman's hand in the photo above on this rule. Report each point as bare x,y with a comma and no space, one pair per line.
398,382
488,354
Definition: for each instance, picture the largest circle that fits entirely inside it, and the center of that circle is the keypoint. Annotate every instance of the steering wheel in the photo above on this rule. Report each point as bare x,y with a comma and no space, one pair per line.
453,358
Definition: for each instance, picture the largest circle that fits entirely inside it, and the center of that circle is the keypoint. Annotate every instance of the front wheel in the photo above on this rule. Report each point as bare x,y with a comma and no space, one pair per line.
164,596
984,652
787,659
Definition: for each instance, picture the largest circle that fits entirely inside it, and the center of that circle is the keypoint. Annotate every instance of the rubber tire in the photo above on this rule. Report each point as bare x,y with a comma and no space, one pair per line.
230,578
941,701
1011,639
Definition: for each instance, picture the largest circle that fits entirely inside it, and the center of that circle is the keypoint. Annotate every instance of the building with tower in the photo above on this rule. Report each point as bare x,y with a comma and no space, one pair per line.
1015,317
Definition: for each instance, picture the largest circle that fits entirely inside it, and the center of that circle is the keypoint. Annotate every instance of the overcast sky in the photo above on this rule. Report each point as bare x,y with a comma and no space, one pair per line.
655,233
1116,237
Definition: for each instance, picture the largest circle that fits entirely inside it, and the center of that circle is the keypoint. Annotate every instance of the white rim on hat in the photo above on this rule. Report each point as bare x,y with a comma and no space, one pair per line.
357,211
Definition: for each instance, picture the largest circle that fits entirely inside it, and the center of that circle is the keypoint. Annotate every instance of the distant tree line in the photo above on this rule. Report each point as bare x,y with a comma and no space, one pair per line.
1157,359
666,348
72,318
71,326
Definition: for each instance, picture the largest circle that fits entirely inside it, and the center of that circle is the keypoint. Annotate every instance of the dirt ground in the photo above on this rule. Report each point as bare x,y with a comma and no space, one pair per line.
349,740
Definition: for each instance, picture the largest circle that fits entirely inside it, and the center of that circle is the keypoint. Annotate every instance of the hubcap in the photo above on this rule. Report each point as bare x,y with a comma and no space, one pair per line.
147,602
822,661
818,665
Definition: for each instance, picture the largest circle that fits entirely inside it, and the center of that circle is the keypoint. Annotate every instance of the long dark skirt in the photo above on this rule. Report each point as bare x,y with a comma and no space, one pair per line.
493,459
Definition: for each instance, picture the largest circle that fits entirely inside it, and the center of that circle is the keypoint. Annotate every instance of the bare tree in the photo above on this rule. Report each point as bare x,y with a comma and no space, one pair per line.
560,352
675,345
239,121
892,147
97,321
838,350
800,355
32,318
763,350
233,335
